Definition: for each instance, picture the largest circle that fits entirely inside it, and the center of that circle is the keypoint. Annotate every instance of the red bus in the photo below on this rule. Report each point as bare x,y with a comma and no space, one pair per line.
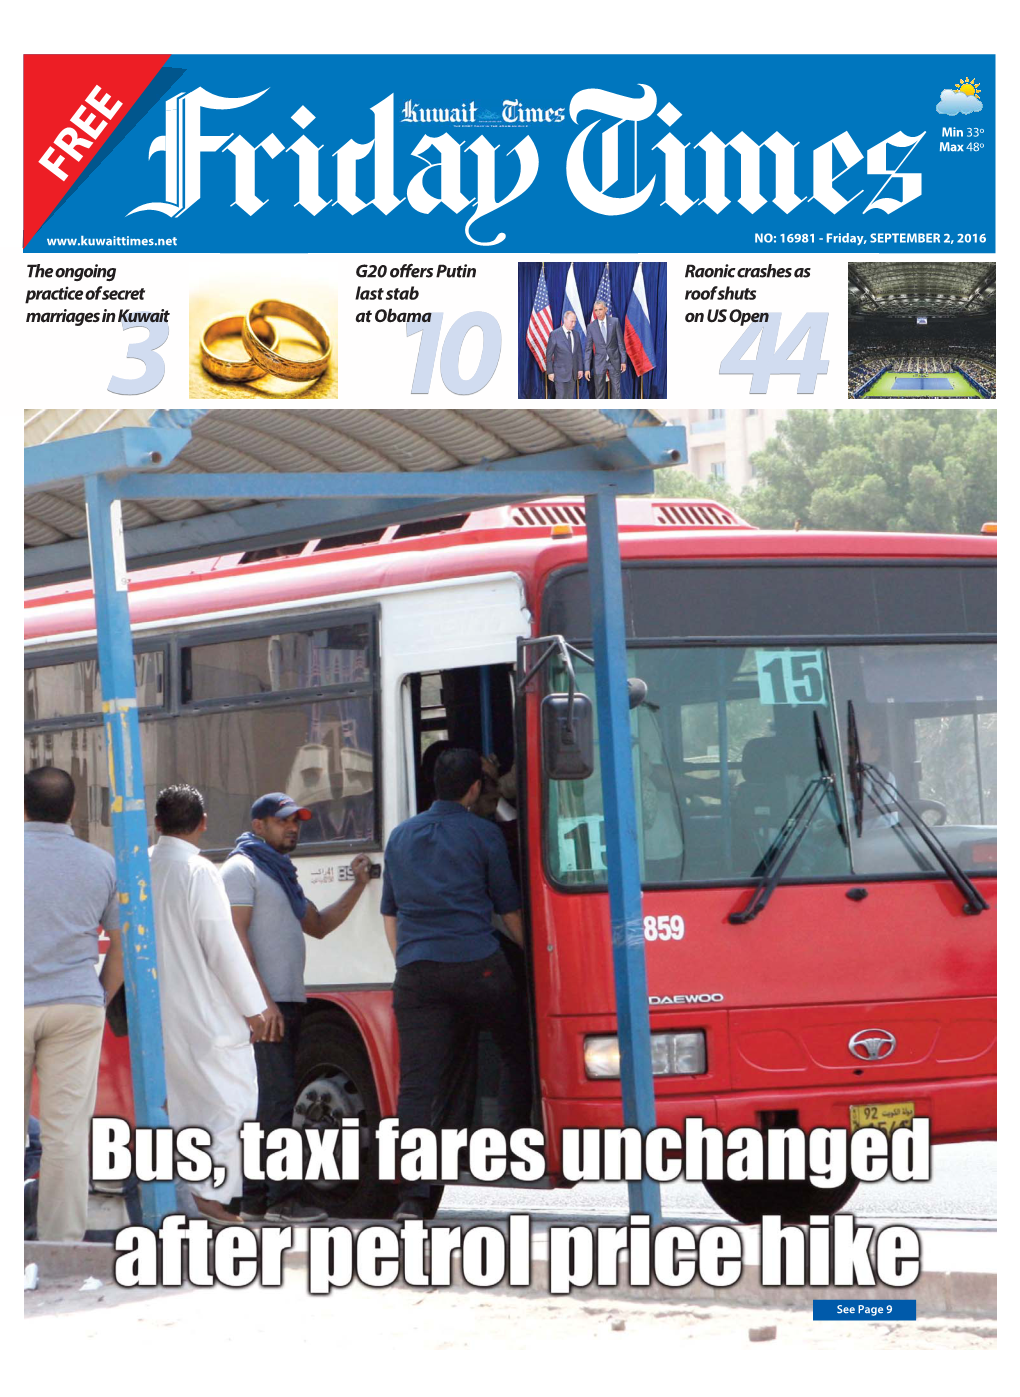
814,766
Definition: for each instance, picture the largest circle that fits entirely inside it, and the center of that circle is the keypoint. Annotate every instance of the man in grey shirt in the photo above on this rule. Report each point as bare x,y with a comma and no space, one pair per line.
273,917
70,891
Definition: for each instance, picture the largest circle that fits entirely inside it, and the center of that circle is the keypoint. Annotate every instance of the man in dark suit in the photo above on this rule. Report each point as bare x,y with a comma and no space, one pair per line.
606,352
563,357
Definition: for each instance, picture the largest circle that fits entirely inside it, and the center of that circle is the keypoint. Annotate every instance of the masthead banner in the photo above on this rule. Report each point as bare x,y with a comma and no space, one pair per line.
312,153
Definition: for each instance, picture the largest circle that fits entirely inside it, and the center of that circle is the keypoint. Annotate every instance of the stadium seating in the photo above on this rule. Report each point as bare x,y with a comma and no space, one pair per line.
933,322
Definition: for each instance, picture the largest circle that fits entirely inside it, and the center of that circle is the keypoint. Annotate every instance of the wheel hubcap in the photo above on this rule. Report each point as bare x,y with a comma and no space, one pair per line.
327,1100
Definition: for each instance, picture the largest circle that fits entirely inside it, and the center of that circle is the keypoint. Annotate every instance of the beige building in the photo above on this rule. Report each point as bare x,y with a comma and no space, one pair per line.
721,440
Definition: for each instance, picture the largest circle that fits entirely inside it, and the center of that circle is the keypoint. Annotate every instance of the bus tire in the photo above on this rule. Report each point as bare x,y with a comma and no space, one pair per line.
335,1082
794,1200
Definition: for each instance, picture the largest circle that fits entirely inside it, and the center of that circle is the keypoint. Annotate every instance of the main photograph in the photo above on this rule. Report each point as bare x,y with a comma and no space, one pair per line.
381,694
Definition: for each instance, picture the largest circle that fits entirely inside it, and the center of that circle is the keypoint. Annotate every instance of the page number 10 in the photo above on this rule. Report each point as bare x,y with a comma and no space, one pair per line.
449,361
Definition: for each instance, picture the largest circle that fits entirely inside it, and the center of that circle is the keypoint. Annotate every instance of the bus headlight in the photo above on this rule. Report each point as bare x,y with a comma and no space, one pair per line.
673,1055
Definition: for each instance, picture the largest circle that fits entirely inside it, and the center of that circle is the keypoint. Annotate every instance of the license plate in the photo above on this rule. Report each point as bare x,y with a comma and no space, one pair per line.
886,1116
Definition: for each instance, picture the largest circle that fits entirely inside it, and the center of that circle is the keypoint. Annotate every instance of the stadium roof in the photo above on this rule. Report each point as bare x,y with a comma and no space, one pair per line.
304,443
904,290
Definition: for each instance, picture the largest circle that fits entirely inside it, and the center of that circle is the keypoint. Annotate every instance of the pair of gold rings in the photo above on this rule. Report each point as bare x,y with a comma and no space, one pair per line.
260,339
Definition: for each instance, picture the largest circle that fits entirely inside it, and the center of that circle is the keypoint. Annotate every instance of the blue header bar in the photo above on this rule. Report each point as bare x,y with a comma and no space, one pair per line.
688,153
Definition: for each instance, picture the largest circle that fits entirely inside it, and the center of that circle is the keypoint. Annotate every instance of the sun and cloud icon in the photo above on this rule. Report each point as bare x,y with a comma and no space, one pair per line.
961,100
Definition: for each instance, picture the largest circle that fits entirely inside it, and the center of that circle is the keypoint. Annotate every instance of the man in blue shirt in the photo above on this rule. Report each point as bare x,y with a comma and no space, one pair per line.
447,871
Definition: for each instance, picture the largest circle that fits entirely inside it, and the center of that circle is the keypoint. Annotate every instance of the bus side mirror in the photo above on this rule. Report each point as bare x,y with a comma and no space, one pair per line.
637,692
568,737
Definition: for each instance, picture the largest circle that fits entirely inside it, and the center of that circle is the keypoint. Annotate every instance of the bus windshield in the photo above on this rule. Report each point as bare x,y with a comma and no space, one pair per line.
726,745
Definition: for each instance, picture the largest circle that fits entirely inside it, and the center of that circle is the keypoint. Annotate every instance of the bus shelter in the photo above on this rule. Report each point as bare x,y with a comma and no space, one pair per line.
110,493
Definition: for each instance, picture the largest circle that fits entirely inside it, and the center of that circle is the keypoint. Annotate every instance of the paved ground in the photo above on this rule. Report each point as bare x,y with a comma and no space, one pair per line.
314,1332
599,1331
961,1193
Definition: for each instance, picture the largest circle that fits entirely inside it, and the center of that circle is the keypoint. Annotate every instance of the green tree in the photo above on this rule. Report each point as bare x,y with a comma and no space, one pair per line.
679,484
916,470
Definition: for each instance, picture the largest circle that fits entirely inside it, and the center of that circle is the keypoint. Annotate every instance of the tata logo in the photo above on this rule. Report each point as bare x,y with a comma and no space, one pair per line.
480,178
872,1044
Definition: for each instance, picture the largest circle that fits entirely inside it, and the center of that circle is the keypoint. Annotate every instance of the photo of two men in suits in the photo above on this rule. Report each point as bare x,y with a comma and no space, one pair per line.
591,331
604,353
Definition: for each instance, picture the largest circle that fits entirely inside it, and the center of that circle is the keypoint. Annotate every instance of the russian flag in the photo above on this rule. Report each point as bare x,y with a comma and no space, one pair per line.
572,301
637,328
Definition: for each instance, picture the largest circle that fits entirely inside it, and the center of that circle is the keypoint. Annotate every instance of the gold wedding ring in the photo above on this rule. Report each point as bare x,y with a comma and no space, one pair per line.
235,370
296,370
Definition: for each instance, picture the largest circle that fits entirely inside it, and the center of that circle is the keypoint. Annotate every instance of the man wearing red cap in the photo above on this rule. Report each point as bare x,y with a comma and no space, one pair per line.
272,917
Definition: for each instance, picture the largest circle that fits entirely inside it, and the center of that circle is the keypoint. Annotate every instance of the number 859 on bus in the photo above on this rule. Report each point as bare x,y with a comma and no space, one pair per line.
670,928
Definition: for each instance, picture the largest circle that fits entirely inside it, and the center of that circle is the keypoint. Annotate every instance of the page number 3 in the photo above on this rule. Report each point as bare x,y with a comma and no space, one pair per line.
153,367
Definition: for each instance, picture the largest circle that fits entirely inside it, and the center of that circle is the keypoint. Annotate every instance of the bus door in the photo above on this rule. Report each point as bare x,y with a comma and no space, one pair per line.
470,707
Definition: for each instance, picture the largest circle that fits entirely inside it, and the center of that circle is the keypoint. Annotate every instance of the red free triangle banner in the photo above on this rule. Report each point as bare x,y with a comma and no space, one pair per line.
74,104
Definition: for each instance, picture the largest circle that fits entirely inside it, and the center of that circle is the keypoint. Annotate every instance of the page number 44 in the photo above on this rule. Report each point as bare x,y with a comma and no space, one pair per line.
775,358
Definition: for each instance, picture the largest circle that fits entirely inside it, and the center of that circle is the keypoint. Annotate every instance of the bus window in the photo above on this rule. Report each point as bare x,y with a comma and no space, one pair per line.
723,749
926,719
72,689
289,709
258,708
321,754
431,733
81,751
460,708
726,745
286,661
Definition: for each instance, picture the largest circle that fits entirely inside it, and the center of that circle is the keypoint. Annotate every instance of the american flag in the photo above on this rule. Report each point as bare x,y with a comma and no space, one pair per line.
604,293
541,322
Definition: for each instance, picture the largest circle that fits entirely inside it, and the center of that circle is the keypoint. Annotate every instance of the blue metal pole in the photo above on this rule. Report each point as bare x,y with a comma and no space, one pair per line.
485,703
724,759
130,830
622,853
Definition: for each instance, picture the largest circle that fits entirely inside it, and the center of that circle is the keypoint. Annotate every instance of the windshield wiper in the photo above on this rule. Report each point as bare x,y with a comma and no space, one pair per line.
780,852
861,772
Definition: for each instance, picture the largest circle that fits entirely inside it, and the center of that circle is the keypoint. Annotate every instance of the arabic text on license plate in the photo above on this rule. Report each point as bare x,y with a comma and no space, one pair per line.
886,1116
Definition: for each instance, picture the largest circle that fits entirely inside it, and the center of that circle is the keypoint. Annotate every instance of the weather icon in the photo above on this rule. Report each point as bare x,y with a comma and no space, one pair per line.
962,100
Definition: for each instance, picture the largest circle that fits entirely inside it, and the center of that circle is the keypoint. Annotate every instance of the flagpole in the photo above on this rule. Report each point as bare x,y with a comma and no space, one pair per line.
540,328
609,284
545,376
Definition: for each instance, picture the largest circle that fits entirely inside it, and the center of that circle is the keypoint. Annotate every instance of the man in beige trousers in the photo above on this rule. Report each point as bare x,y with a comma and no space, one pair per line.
70,891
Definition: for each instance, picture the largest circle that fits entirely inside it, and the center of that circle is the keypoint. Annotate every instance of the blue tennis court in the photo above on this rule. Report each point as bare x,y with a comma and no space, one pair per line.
924,385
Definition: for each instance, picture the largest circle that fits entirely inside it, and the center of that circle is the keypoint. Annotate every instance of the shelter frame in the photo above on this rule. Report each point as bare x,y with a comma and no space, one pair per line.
131,464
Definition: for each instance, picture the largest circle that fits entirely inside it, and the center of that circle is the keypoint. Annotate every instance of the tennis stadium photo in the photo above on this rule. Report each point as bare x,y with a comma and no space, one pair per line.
921,330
